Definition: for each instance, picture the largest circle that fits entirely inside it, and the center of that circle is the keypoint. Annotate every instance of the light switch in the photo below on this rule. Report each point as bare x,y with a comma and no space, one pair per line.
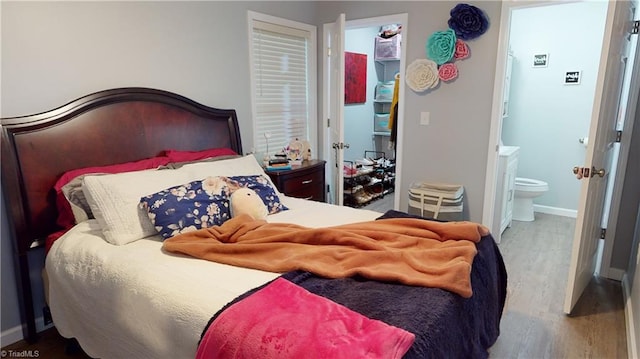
424,118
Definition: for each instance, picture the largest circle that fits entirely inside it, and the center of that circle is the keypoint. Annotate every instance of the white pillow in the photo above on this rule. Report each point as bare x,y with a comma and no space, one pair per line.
114,198
114,201
243,166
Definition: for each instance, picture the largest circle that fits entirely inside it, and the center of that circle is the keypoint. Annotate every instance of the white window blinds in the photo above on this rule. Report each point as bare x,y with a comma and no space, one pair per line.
280,75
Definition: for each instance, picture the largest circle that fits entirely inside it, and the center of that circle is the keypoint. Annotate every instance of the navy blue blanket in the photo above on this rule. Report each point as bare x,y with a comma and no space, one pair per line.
445,324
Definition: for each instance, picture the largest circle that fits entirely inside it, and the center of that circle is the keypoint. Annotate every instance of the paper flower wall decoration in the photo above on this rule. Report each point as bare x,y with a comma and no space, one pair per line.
448,72
462,50
441,46
422,74
444,48
468,21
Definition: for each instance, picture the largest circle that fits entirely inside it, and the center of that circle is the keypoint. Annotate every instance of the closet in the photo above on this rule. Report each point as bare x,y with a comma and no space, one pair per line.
369,167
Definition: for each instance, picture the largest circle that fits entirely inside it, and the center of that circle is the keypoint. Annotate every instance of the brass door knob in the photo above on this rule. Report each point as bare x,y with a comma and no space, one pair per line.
601,172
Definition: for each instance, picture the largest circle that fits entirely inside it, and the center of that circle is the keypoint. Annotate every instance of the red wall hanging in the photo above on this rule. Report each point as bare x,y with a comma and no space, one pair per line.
355,78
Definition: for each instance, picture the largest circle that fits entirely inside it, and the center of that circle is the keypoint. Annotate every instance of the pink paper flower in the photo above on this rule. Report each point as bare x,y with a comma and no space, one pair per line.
448,72
462,50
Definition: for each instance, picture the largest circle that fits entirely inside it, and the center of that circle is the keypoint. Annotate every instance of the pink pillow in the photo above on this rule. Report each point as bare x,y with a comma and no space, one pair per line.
145,164
183,156
66,219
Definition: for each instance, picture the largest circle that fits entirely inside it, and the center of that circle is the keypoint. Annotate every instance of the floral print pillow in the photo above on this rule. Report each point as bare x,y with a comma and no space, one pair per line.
261,185
203,204
191,206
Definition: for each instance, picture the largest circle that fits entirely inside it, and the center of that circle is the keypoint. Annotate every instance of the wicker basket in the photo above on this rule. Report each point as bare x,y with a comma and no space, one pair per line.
436,200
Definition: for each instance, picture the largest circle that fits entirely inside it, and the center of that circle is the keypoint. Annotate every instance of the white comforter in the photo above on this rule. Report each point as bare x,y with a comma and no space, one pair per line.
135,301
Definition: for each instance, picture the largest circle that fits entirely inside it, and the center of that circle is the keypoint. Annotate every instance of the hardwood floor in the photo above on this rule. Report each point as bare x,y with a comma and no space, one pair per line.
382,204
533,325
537,256
50,345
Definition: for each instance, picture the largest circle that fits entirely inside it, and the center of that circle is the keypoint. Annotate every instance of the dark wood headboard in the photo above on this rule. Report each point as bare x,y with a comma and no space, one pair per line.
106,127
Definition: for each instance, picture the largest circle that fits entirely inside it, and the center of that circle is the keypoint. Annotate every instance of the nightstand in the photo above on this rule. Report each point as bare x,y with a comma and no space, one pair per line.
302,181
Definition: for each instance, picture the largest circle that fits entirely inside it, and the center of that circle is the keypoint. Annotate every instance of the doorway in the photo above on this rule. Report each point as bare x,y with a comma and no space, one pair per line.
607,109
369,160
545,123
361,128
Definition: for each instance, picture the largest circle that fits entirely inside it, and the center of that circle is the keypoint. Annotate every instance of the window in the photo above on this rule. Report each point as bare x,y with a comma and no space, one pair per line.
283,81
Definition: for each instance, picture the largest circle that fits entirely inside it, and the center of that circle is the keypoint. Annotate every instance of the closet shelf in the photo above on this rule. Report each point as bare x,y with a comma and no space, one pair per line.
381,133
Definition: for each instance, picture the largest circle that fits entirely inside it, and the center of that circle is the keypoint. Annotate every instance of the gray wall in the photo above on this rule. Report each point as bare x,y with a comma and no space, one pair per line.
453,148
53,53
10,315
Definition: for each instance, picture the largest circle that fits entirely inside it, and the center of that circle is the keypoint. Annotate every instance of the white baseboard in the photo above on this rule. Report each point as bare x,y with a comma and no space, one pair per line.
615,274
12,335
573,213
632,346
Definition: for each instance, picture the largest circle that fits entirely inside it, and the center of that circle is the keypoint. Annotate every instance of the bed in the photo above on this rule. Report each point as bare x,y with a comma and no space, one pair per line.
132,297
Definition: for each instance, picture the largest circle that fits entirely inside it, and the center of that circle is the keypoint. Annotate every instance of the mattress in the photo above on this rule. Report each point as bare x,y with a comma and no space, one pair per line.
135,300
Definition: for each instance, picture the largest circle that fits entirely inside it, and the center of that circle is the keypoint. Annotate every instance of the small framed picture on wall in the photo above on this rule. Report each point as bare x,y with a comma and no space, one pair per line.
572,77
540,60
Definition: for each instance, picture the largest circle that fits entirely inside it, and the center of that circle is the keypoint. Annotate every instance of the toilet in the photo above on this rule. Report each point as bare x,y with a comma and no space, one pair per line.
526,189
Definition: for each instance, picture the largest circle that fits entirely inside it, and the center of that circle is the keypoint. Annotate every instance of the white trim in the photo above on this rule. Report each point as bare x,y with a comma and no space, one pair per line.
11,335
252,15
274,27
324,133
632,346
495,130
623,155
376,21
312,72
564,212
615,274
14,334
355,24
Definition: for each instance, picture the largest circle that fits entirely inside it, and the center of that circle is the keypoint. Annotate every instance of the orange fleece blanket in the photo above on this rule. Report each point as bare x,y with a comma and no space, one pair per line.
406,250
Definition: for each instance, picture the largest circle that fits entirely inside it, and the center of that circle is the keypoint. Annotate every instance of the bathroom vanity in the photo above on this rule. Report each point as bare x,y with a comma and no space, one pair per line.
505,187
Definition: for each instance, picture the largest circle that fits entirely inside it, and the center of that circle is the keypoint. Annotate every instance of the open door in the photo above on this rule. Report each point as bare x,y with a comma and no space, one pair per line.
598,156
334,68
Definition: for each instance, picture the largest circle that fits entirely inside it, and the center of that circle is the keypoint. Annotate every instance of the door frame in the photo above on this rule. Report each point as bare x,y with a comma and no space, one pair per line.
495,131
402,18
333,115
623,156
495,134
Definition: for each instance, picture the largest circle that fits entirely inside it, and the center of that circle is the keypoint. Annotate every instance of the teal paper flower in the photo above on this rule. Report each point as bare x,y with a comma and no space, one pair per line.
441,46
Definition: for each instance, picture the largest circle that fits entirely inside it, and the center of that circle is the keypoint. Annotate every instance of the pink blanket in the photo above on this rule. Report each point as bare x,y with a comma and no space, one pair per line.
283,320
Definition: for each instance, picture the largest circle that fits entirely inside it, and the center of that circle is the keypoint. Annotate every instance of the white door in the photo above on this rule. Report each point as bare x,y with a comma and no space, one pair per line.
599,152
334,67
